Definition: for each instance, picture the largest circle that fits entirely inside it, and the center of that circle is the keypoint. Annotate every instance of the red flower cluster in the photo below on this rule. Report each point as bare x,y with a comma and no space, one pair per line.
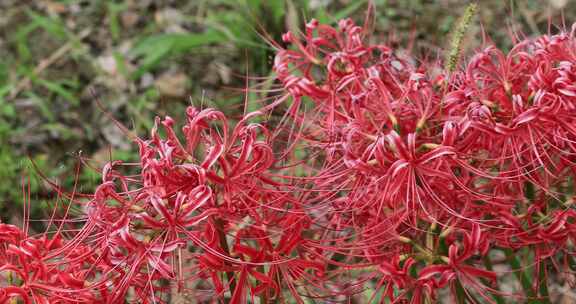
381,175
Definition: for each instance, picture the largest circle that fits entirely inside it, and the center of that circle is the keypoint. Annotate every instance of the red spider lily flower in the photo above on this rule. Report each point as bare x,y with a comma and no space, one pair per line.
458,270
379,161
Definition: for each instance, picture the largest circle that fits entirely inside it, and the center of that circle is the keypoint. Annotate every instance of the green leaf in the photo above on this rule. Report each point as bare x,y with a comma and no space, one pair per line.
7,109
253,4
237,28
21,38
58,89
114,9
277,8
63,131
4,90
50,25
120,63
44,107
4,71
292,17
152,50
349,10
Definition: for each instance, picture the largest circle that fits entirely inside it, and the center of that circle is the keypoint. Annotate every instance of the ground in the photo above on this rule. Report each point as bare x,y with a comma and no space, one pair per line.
71,67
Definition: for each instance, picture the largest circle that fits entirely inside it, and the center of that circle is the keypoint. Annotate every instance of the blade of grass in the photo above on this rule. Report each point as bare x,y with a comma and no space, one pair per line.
44,107
152,50
348,10
58,89
114,9
51,25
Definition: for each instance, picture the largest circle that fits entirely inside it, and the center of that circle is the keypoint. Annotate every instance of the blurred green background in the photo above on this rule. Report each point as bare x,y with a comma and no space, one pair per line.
143,58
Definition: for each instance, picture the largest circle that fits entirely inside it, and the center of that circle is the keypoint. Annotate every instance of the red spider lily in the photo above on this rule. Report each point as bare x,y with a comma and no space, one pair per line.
457,270
406,168
504,126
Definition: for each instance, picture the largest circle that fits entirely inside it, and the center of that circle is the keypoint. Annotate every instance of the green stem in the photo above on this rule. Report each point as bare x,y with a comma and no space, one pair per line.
263,298
460,293
488,265
264,295
521,275
224,245
529,191
543,282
